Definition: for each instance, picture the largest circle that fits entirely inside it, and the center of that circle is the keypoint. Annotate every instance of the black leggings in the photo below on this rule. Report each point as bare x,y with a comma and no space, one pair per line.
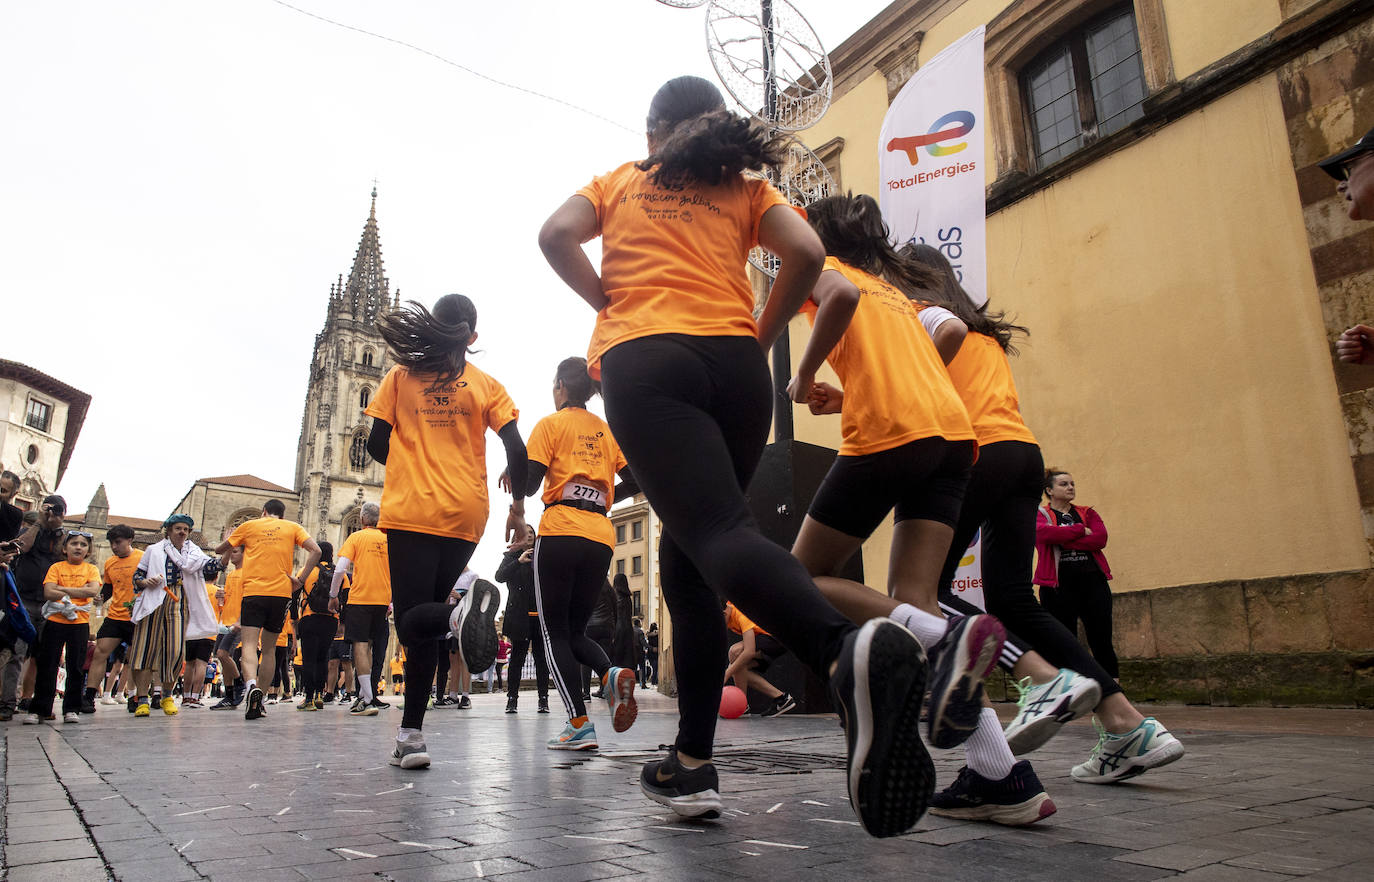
568,573
691,415
1002,496
1087,597
48,656
525,636
316,632
423,570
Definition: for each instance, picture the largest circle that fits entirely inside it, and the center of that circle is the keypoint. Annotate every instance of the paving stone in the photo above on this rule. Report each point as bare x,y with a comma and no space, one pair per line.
87,870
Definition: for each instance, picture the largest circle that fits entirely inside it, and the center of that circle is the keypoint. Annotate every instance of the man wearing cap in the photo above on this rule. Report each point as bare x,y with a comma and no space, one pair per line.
1354,169
40,546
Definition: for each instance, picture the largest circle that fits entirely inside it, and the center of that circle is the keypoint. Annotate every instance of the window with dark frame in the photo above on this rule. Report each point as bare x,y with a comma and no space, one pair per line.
367,358
357,451
38,415
637,566
639,604
619,534
620,567
637,530
365,397
1086,86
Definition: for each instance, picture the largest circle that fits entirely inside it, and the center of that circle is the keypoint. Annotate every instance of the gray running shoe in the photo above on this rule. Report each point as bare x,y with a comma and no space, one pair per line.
1042,710
410,752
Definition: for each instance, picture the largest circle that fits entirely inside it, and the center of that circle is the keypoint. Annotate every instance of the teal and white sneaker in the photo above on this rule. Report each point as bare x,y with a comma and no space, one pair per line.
1118,757
1043,709
573,738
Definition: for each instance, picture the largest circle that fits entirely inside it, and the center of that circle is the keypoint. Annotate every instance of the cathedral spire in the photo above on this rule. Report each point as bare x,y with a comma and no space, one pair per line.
367,291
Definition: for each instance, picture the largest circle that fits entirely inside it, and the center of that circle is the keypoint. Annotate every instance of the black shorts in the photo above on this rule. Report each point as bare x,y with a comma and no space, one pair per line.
200,650
265,612
341,650
922,480
123,631
767,650
365,623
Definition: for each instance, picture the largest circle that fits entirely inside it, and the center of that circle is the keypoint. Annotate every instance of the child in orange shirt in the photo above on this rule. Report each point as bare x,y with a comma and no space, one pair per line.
689,398
75,580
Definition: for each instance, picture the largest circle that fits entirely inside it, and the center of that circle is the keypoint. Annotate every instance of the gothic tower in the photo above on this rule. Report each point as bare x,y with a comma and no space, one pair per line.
334,474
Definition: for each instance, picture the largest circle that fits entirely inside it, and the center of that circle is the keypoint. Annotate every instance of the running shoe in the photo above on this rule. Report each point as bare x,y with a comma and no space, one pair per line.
307,705
272,699
109,700
132,703
319,704
87,705
143,710
379,704
361,708
328,698
169,706
877,685
1118,757
619,686
691,793
410,752
1042,709
255,708
544,704
32,719
225,703
191,703
512,705
1015,801
473,621
959,663
781,705
443,702
464,703
574,737
71,717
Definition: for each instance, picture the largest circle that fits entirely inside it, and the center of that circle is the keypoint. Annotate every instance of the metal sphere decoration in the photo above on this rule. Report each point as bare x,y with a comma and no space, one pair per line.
683,4
802,178
770,60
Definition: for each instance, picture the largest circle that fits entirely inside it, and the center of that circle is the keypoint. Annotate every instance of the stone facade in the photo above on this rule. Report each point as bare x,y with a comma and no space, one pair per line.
40,419
220,504
334,474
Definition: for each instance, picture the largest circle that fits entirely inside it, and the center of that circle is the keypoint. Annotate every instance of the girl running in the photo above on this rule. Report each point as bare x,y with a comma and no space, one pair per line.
429,418
688,397
316,628
1001,499
907,448
574,455
68,588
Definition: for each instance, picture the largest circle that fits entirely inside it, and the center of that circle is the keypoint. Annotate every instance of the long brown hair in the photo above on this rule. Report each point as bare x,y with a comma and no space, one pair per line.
947,292
431,342
699,141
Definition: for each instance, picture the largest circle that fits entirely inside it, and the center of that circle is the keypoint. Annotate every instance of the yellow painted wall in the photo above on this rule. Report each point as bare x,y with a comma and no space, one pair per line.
1202,31
1178,364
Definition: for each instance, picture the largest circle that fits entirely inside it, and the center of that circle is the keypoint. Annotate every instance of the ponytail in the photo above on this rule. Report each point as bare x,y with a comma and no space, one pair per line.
699,141
947,292
431,342
577,383
852,229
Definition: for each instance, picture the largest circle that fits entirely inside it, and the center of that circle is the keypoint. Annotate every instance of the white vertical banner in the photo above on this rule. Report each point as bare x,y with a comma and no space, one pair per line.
968,578
930,161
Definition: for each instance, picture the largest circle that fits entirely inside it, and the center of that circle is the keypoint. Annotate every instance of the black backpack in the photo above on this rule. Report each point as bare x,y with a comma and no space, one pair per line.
318,601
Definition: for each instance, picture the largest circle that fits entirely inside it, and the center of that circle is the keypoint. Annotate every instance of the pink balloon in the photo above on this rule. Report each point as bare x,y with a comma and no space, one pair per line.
733,702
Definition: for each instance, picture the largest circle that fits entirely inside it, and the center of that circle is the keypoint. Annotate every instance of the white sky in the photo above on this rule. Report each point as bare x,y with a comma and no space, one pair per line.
184,181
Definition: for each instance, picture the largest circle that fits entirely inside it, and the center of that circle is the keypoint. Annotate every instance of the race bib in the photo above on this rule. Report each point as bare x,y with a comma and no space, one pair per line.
584,493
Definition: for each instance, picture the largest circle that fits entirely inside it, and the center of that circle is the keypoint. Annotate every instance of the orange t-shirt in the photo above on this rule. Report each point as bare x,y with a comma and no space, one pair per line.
366,550
738,622
436,470
233,598
673,261
68,575
896,389
582,459
982,376
286,631
269,548
119,574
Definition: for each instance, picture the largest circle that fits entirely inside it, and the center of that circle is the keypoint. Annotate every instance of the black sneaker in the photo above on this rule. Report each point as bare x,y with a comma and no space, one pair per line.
959,663
443,702
692,793
255,708
379,704
511,705
781,705
328,698
1016,800
877,687
132,703
473,621
24,705
225,703
361,708
465,703
87,704
544,705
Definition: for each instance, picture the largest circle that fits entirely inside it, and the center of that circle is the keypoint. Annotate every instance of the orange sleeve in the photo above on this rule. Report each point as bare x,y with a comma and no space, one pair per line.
350,547
238,537
540,446
500,408
301,536
593,193
763,197
54,575
383,404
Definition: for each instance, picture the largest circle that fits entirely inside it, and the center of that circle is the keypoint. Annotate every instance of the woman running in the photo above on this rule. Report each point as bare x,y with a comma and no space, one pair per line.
688,396
430,415
907,448
573,454
1001,499
316,628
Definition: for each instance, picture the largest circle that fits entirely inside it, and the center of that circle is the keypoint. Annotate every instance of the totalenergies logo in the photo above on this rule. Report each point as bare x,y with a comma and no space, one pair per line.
946,128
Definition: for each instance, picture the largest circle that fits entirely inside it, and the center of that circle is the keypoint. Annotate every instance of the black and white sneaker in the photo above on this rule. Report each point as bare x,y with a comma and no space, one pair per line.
877,685
379,704
543,704
1016,800
692,793
410,752
464,703
512,705
960,662
473,622
255,708
362,708
781,705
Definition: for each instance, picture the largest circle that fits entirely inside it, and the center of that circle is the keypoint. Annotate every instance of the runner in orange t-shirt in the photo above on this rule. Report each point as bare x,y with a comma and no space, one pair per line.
688,397
229,602
429,422
75,581
116,627
573,454
755,651
364,554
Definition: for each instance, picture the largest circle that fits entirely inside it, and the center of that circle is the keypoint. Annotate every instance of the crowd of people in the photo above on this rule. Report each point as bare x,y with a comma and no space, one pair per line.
931,433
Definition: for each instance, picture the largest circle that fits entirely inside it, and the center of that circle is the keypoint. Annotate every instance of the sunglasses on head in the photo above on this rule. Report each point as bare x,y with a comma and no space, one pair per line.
80,533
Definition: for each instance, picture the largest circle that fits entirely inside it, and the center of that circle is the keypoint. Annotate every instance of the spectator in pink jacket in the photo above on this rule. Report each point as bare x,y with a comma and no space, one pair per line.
1071,569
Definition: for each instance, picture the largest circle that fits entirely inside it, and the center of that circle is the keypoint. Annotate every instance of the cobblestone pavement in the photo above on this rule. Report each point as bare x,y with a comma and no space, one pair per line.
1261,795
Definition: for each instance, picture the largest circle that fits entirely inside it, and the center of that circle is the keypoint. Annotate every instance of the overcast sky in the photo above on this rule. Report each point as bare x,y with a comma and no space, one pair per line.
184,181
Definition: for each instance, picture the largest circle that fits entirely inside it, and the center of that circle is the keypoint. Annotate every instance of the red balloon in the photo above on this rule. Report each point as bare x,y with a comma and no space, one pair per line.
733,702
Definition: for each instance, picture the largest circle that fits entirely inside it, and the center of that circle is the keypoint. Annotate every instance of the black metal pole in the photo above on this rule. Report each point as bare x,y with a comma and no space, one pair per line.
783,429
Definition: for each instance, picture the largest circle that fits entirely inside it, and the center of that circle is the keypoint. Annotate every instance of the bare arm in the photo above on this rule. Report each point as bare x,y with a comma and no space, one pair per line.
746,655
561,240
836,299
948,338
786,234
312,557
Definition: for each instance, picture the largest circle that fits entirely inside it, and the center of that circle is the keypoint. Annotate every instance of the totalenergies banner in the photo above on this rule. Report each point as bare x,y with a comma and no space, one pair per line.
968,578
930,161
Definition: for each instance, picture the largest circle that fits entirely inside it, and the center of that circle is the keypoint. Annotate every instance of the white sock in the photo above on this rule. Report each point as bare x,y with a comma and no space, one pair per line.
365,687
249,686
986,750
402,733
454,696
465,693
927,628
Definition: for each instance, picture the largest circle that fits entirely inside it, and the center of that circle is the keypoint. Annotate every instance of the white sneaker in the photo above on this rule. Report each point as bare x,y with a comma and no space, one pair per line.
1043,709
272,699
71,717
109,699
1118,757
31,720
